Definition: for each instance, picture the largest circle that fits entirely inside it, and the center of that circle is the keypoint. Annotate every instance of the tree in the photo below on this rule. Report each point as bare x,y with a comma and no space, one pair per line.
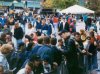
94,4
64,3
61,4
47,4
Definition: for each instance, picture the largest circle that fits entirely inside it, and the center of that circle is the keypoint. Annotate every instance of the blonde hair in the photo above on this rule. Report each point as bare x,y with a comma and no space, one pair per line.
6,46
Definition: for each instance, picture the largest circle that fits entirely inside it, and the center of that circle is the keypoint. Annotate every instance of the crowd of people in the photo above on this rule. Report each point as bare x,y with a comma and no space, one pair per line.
37,44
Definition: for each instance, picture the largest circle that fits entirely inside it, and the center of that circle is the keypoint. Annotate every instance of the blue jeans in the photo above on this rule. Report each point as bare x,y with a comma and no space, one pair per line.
18,42
92,62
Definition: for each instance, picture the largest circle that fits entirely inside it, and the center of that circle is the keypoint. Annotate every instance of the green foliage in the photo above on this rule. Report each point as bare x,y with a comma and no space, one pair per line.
94,5
60,4
64,3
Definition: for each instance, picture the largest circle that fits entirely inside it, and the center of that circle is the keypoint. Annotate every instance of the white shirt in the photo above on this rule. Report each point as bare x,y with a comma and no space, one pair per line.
86,45
4,62
30,31
80,25
22,71
98,27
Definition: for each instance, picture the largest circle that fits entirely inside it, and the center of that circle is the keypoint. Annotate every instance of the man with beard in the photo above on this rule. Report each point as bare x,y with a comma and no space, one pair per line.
81,52
71,53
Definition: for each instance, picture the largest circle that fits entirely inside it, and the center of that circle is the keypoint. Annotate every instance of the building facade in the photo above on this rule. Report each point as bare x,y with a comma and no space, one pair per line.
22,3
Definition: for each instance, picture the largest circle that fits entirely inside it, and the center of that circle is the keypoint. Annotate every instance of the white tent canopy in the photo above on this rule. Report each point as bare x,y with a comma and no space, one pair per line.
76,9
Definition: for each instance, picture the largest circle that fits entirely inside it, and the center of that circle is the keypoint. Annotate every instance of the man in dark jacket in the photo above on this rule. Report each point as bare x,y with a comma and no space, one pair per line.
37,46
45,27
88,23
45,50
18,33
56,53
63,26
80,50
37,64
71,53
3,21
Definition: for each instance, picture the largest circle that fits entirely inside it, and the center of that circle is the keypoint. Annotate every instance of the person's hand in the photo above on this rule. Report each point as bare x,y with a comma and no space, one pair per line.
55,65
83,51
90,54
95,43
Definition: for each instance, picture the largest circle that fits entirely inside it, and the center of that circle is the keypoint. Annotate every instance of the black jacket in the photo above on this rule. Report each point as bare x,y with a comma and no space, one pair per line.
71,53
61,27
18,33
57,55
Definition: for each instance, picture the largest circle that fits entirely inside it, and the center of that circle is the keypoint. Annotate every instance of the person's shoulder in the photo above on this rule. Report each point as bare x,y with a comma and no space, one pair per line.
55,47
21,71
45,47
71,40
41,48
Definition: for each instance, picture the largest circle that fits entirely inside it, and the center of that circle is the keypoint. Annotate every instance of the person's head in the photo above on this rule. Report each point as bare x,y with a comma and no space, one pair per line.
82,32
35,59
29,25
30,46
5,26
48,21
64,34
39,18
28,68
38,33
77,36
43,21
8,37
16,25
53,41
3,36
6,48
60,42
2,16
46,40
1,69
27,38
91,34
40,40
